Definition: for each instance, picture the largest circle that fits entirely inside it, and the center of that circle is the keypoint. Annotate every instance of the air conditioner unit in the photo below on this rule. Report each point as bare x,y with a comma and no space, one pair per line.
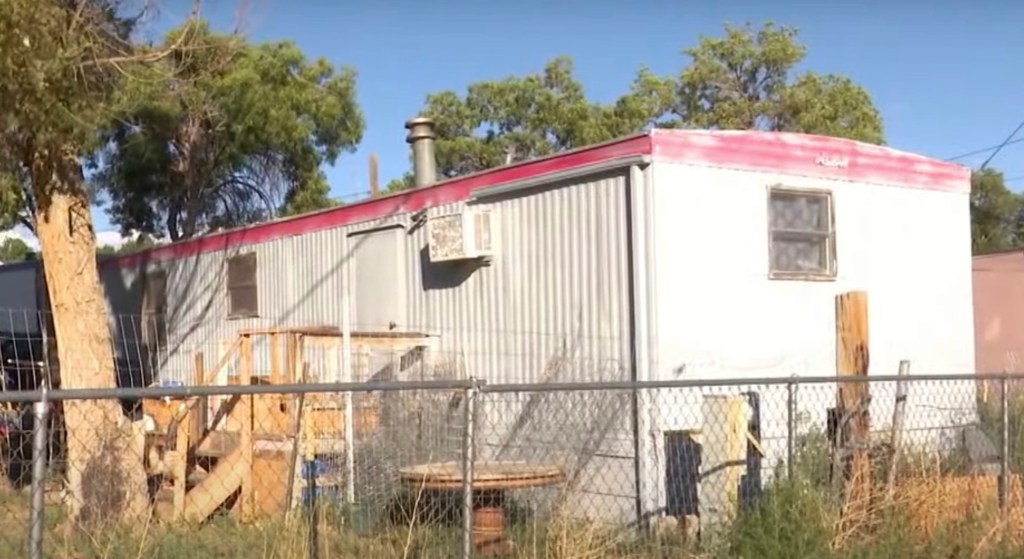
460,236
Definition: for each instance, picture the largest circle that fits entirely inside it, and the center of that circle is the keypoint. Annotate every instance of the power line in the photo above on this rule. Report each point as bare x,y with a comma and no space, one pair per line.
986,149
1001,146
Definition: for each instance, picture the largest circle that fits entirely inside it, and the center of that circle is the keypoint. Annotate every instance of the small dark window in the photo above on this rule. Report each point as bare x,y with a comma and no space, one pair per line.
154,310
243,299
801,234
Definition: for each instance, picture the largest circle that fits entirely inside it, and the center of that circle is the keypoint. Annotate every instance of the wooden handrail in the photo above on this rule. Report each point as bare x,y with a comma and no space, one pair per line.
186,405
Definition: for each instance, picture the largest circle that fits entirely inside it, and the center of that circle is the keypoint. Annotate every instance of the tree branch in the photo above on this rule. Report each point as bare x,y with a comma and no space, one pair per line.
150,57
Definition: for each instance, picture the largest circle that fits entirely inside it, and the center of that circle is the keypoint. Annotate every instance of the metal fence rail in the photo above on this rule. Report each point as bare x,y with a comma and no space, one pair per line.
448,468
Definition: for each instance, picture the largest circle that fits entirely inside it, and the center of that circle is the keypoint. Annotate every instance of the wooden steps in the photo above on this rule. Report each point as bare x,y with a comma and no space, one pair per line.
218,444
215,488
217,472
206,450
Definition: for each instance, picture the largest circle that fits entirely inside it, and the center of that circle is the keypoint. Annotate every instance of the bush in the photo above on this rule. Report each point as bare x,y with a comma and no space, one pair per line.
791,521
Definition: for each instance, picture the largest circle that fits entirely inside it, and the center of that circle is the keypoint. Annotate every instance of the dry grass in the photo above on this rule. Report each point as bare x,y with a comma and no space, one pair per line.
967,506
926,506
926,515
565,536
220,538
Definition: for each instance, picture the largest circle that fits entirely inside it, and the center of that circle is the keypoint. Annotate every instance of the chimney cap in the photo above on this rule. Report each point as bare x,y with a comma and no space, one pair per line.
421,127
418,120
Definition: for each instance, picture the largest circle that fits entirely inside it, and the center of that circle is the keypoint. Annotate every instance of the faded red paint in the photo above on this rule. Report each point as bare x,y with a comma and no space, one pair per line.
812,156
784,153
999,312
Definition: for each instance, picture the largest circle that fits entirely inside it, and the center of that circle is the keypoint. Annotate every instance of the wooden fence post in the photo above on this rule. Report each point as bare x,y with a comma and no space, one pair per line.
852,360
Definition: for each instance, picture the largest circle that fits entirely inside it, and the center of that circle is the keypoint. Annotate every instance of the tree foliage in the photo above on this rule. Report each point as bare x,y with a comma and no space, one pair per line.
743,80
66,67
226,134
13,249
140,242
405,182
515,119
59,62
997,214
15,195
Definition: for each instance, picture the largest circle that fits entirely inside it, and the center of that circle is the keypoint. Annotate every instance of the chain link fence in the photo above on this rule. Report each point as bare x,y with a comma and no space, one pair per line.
458,467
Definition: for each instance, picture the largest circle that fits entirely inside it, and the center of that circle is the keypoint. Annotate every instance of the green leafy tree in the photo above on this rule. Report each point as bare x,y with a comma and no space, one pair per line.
15,195
405,182
14,249
995,213
515,119
227,134
106,250
65,68
743,80
140,242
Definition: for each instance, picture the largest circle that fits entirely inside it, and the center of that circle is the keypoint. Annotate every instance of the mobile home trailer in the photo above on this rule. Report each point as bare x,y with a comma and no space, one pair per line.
665,255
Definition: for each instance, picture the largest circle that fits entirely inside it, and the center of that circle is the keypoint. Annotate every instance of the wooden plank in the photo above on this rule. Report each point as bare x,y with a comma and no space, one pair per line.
292,367
179,469
200,368
275,359
852,360
245,410
198,415
327,343
223,480
327,422
218,444
333,331
270,474
271,415
287,330
301,366
224,360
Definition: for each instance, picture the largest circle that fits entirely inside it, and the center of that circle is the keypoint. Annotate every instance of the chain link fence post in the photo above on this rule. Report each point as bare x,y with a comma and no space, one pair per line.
468,459
1004,458
791,388
40,438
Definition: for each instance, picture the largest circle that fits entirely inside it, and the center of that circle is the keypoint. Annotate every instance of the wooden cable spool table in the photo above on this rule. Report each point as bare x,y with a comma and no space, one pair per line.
491,481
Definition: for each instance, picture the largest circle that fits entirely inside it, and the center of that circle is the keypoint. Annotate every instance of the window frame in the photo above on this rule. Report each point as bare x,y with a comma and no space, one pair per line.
252,283
831,261
154,305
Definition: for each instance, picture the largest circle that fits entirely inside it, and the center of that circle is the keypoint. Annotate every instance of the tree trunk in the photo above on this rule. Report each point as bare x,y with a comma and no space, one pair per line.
106,480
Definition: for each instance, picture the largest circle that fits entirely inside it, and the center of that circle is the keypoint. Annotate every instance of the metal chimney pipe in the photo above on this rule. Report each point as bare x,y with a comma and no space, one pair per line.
421,137
374,184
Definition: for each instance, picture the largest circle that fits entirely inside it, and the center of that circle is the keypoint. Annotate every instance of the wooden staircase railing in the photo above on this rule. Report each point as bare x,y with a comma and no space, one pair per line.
187,431
188,441
279,424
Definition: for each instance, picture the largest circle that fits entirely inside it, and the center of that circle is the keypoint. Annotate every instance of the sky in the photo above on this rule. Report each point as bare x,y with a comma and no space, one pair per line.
947,78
